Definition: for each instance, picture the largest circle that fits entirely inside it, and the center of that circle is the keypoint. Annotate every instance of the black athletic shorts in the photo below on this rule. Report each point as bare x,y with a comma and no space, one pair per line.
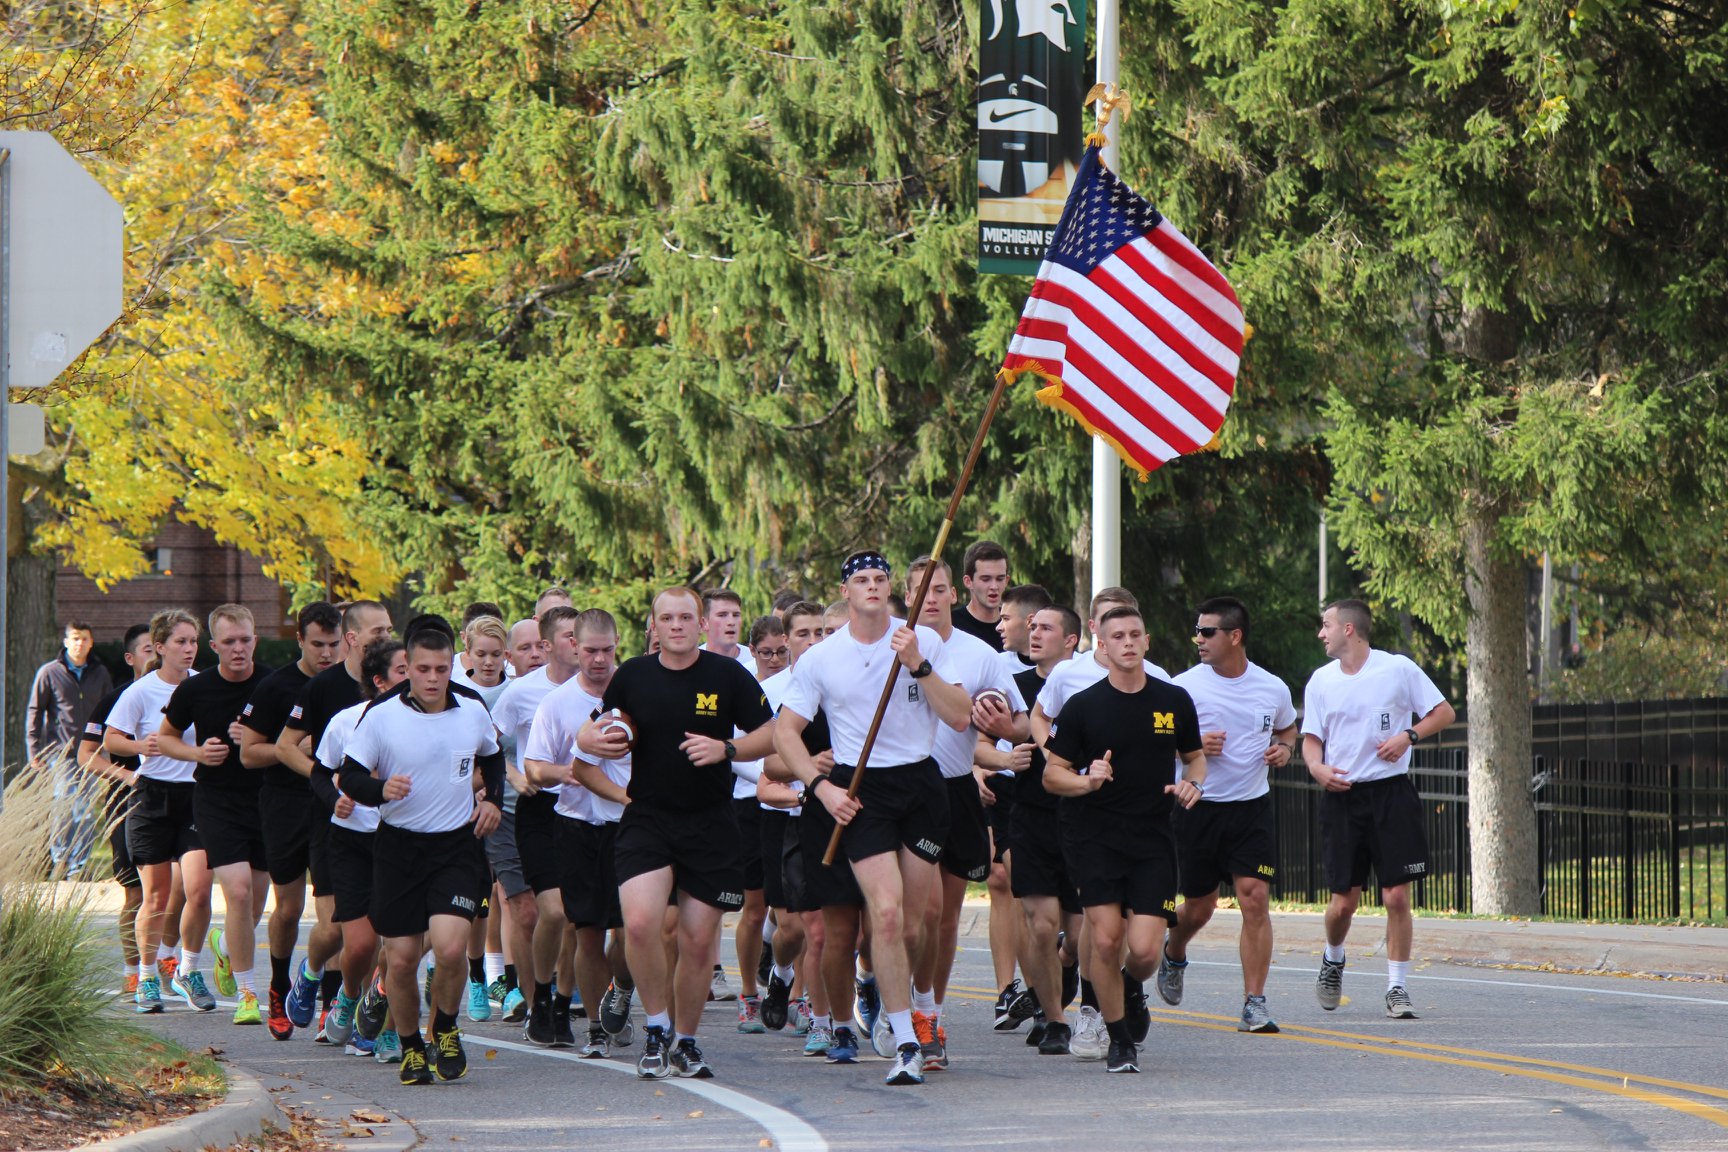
286,814
1216,840
318,849
1143,880
774,828
588,878
1038,866
748,812
700,847
537,840
903,806
1000,815
351,863
228,825
419,875
967,852
161,826
504,860
825,885
1376,824
124,874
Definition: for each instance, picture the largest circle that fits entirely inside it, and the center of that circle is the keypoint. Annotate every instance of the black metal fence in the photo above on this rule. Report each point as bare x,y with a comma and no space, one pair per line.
1631,809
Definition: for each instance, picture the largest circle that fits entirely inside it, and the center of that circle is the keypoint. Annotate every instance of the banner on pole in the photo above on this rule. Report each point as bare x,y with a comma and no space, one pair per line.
1032,77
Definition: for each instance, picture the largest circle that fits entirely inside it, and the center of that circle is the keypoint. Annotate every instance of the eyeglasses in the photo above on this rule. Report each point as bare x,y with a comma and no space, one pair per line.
773,653
1207,631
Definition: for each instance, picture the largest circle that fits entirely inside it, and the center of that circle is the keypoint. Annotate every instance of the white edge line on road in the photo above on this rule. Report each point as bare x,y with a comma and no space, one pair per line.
787,1131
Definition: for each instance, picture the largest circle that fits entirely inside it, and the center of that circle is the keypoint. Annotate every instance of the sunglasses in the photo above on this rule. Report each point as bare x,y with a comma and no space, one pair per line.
1207,631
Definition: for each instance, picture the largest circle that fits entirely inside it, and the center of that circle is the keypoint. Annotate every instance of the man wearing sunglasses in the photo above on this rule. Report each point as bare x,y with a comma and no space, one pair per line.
1247,726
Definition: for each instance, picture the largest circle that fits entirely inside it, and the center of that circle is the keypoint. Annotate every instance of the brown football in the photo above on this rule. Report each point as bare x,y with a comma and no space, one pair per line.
995,694
617,720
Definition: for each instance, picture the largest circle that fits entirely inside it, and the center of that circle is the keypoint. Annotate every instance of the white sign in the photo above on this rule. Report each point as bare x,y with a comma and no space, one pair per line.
66,259
26,430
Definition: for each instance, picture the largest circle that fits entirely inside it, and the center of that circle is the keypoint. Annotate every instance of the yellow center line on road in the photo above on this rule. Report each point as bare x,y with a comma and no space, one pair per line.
1486,1061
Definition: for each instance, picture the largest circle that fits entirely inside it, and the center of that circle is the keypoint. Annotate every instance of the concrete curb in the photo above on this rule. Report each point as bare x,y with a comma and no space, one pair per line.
241,1115
347,1122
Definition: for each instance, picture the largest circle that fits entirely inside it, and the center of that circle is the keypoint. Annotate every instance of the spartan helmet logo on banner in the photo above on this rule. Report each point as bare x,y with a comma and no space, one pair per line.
1030,72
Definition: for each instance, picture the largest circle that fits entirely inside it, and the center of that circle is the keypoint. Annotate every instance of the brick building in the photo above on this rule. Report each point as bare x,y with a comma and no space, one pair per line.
189,570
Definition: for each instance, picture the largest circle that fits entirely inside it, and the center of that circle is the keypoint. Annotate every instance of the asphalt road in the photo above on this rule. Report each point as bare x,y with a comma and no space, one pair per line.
1497,1060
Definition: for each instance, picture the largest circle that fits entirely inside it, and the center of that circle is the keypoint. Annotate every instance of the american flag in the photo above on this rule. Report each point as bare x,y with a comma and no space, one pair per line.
1135,333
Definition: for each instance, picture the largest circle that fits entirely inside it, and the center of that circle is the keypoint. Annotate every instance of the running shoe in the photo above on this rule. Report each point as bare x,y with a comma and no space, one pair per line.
1170,973
413,1068
924,1027
1089,1039
1006,1021
1035,1034
167,967
448,1057
246,1011
908,1066
866,1004
801,1017
720,988
842,1048
224,971
339,1028
319,1037
1329,988
515,1006
190,987
687,1061
776,1003
280,1026
374,1006
599,1045
882,1037
129,985
818,1041
1138,1017
479,1007
1123,1057
148,998
653,1064
387,1047
1056,1038
496,991
1255,1016
1398,1004
358,1046
615,1009
301,1003
563,1035
539,1030
750,1015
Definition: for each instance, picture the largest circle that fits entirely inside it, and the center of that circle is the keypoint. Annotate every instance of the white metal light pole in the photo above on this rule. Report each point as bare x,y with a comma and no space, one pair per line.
1106,468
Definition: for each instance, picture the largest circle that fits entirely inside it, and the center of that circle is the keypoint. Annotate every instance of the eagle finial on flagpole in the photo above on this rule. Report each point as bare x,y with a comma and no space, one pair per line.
1109,98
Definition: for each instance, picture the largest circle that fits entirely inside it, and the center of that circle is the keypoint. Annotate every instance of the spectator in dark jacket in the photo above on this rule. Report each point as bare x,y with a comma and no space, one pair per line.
66,691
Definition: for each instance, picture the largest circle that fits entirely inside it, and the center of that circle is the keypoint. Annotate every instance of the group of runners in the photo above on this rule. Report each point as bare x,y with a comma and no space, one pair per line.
555,835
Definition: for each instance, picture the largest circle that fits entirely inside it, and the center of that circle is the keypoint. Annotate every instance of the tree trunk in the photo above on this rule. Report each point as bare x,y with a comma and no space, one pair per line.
1503,863
1083,567
32,633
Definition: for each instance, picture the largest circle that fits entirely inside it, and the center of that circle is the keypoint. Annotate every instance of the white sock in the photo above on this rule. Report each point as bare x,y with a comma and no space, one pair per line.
1397,972
924,1002
938,1011
901,1022
659,1020
1335,953
244,979
188,962
786,974
863,976
768,930
494,966
822,1022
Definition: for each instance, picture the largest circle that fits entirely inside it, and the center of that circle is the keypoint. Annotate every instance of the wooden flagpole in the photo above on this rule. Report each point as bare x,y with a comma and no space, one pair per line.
917,605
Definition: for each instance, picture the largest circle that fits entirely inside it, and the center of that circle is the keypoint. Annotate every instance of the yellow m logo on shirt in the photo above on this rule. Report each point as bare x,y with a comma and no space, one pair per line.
707,703
1163,721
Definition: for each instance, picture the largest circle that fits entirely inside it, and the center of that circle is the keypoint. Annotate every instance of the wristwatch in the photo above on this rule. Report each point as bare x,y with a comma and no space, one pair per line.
1411,732
731,749
922,670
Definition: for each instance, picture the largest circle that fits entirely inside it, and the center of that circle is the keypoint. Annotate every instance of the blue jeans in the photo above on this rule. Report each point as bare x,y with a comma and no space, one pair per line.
75,812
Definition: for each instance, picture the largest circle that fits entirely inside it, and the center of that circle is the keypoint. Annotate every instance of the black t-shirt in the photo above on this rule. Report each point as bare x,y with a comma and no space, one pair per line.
206,704
713,697
966,622
326,694
268,710
1029,785
1144,732
93,730
815,735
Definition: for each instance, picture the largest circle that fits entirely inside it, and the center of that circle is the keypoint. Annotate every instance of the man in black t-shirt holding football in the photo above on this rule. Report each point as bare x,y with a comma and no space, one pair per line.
1110,754
678,833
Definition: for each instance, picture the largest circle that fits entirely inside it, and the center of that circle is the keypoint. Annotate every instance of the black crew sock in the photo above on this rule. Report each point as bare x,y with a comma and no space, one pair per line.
560,1003
330,985
280,981
442,1022
543,995
510,977
1118,1030
477,969
1088,997
412,1039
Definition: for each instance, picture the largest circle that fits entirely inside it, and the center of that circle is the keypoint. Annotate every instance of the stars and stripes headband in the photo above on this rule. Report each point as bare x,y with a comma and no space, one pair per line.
859,561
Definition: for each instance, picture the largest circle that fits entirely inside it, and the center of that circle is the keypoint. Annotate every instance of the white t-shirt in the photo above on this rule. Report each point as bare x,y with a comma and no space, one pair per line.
1077,675
843,678
975,666
435,750
1247,709
138,713
552,740
1353,715
513,716
744,657
331,749
774,689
